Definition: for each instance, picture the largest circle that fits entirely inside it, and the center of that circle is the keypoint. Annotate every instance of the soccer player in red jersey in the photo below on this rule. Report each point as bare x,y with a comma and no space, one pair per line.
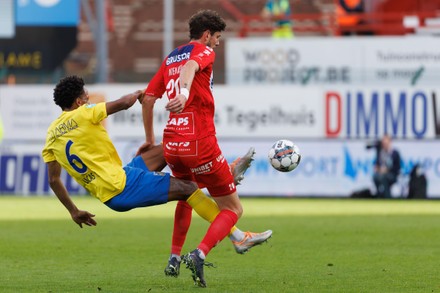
190,144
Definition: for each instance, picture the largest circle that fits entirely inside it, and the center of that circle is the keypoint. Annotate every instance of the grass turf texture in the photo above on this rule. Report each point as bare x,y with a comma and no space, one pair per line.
318,245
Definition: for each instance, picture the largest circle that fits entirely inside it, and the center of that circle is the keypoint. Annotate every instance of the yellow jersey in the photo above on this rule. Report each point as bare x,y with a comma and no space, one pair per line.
81,145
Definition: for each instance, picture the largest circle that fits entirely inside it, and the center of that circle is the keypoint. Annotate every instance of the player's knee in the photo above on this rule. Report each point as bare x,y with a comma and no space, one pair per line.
182,188
188,187
236,209
230,202
239,212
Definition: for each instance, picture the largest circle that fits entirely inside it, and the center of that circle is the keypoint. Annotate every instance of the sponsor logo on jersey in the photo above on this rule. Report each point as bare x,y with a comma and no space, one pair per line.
178,58
62,129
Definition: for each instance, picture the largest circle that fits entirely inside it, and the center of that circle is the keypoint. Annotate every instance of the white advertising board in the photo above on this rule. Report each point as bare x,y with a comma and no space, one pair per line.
26,111
328,168
332,168
244,112
412,60
331,126
22,170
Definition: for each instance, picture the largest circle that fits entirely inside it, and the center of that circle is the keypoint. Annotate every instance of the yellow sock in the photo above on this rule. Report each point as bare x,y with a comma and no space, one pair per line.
205,207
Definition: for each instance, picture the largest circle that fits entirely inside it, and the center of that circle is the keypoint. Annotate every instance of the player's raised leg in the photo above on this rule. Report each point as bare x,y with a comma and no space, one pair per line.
250,240
240,165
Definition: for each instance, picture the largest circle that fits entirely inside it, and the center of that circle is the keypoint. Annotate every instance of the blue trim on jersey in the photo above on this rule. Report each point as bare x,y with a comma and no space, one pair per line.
179,54
143,188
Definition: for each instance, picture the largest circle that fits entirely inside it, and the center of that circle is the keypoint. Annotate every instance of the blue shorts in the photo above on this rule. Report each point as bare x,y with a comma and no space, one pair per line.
143,188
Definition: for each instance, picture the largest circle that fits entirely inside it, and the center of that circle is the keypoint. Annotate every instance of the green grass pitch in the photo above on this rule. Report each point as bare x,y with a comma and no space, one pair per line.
318,245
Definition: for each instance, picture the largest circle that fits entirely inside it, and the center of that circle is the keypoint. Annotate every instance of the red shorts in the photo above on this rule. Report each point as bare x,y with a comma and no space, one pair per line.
200,161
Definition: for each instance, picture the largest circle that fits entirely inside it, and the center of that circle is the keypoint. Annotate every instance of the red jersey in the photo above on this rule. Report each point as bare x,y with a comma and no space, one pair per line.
197,118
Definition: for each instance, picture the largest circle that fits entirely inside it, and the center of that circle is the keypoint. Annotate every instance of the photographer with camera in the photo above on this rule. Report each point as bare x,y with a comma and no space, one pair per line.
386,167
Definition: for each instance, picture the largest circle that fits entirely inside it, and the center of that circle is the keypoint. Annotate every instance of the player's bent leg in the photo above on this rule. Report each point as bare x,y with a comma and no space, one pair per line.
206,208
181,189
154,159
250,240
240,165
230,202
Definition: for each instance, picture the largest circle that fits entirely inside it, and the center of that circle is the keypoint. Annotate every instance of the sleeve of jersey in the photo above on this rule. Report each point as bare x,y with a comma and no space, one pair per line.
156,86
203,57
47,155
96,112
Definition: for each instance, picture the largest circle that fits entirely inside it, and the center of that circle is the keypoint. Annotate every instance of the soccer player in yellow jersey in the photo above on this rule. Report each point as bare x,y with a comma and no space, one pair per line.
77,142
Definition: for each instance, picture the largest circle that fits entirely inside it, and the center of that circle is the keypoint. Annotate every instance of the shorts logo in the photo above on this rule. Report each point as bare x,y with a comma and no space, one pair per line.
174,145
205,168
182,148
220,159
159,173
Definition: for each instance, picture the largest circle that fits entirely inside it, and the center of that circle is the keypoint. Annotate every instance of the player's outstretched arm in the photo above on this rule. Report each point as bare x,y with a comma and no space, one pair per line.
78,216
124,102
148,103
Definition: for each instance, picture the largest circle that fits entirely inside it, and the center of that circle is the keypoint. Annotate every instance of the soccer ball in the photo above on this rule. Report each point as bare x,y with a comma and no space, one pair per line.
284,155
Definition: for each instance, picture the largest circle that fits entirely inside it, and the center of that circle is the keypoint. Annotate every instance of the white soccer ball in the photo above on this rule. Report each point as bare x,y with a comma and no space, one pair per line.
284,155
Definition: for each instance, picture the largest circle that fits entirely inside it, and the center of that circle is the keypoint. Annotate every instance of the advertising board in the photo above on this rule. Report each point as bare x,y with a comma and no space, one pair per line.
331,127
377,61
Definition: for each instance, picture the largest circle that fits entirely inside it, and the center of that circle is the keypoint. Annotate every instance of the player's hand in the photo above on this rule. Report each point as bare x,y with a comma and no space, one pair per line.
177,104
83,217
139,95
144,147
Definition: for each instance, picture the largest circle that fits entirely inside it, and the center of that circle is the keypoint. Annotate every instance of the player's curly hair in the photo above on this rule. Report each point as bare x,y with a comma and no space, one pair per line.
67,90
205,20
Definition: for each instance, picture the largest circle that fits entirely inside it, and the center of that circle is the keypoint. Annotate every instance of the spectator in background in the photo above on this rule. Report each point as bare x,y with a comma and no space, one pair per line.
280,13
386,167
418,183
347,18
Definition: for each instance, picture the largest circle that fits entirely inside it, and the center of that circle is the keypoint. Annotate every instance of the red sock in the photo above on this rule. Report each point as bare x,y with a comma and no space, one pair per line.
218,230
182,221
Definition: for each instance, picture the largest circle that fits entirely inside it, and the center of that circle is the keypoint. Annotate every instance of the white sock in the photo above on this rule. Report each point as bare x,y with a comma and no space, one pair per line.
176,256
201,254
237,235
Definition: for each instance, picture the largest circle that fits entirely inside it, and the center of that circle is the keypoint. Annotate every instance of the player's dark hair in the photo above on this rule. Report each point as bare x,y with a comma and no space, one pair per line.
205,20
67,90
